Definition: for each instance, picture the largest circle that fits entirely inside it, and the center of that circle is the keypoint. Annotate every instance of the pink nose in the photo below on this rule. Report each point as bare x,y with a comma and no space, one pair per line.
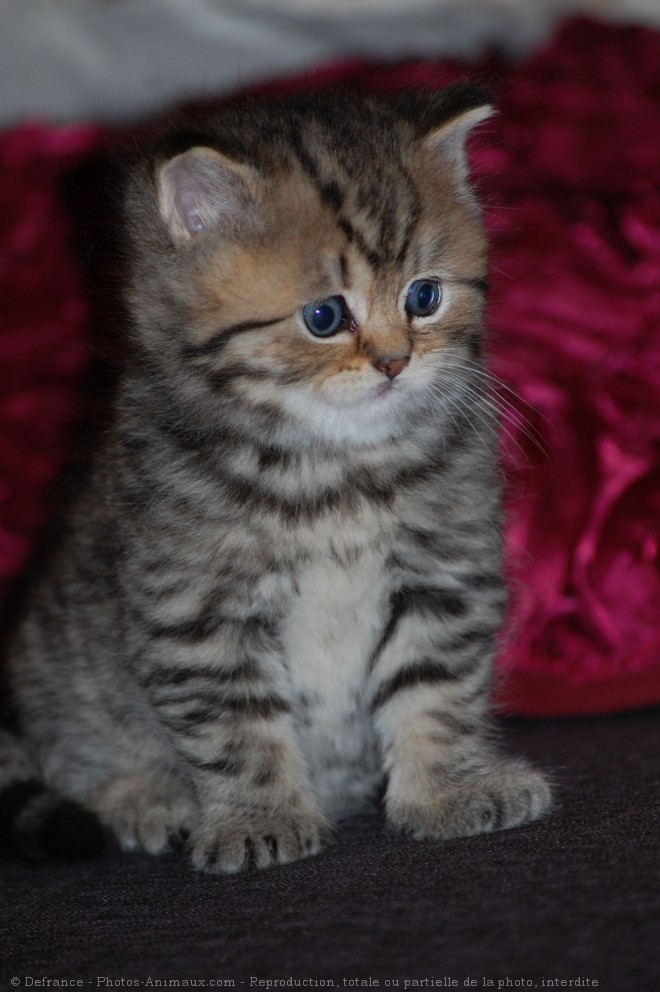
391,367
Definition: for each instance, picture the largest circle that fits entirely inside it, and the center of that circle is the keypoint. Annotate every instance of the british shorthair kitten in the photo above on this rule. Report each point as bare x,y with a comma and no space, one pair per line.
278,595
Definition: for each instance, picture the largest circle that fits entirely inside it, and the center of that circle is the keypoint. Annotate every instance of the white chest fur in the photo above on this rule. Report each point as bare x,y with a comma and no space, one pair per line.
331,631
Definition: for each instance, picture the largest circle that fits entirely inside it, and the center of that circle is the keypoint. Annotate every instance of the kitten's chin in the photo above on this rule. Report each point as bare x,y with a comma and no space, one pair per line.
377,417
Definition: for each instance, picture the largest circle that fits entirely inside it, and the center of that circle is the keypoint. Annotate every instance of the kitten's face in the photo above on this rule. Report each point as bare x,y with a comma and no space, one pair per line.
340,294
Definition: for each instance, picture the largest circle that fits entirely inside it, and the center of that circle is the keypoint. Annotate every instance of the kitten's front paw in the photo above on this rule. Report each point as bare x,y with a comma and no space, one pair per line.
146,813
508,794
257,840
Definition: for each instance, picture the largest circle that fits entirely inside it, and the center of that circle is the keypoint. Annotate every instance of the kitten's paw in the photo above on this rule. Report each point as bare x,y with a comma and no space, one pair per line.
145,813
259,840
508,794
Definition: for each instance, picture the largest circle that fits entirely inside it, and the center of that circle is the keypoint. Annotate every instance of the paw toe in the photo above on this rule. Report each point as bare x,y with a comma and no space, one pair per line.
144,814
509,794
254,844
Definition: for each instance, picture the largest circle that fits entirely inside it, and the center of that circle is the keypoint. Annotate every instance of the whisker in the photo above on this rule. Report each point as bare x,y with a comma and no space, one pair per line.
450,400
485,404
501,384
443,398
474,400
507,410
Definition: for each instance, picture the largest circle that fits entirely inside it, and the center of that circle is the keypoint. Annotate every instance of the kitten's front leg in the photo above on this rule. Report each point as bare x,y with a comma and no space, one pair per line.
233,727
430,687
257,809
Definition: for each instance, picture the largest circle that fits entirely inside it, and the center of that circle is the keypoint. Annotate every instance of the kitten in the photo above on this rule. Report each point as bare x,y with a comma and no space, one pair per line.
279,592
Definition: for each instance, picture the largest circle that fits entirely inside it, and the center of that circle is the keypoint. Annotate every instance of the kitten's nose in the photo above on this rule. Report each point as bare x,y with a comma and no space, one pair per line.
391,367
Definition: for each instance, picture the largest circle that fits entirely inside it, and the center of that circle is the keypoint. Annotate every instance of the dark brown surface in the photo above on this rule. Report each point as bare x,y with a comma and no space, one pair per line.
576,896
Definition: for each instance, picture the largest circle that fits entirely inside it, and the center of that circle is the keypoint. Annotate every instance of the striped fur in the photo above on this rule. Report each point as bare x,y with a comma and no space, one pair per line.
280,590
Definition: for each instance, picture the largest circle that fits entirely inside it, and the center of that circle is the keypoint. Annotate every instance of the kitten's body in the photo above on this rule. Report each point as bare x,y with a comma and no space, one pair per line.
282,586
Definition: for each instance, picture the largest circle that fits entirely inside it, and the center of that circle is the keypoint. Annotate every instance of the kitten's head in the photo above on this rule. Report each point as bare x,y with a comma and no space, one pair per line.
319,259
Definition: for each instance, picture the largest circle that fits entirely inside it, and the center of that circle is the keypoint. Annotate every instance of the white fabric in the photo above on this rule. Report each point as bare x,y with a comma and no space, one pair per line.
67,60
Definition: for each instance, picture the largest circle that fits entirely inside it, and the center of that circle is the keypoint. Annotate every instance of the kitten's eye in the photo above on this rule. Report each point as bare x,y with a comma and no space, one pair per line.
325,318
423,297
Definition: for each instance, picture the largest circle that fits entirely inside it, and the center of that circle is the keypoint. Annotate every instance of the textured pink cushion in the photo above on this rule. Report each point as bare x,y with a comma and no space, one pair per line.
569,172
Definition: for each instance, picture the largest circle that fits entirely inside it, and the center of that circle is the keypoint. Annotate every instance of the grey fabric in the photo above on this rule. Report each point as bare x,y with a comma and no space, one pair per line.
115,61
573,897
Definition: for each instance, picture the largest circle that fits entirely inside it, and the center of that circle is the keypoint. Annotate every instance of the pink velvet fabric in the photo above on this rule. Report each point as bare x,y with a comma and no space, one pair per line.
569,171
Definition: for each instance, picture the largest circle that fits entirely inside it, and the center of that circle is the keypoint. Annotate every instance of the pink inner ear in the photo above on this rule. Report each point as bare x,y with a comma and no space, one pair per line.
187,199
203,190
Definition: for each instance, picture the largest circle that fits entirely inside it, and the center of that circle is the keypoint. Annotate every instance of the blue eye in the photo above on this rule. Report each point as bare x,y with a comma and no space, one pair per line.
325,318
423,297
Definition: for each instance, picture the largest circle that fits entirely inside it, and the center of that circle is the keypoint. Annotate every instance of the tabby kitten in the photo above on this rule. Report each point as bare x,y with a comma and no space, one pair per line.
279,592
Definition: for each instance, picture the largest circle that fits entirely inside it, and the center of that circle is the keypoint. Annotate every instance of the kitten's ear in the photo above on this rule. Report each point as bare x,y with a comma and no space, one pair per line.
201,189
446,117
